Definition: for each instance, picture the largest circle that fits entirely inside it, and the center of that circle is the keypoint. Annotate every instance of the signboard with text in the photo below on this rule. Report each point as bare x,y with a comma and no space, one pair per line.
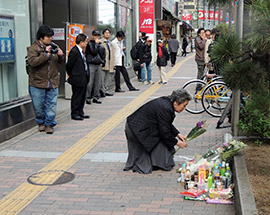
73,31
209,15
187,16
147,11
7,42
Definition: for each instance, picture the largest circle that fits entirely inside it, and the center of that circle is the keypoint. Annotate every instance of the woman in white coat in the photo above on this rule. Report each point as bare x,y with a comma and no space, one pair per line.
119,63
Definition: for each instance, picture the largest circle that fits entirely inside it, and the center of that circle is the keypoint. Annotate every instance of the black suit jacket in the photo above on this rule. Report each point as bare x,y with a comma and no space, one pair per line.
152,123
76,68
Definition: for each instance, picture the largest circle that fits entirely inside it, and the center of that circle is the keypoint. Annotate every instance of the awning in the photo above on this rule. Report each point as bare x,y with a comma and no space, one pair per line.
187,26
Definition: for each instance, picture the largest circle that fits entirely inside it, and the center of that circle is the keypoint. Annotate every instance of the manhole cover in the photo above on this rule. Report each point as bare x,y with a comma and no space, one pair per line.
50,178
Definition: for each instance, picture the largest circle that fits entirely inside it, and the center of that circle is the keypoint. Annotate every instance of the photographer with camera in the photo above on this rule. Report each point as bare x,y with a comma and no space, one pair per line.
43,57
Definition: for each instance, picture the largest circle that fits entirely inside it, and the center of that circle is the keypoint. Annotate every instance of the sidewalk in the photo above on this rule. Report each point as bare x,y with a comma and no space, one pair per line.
100,186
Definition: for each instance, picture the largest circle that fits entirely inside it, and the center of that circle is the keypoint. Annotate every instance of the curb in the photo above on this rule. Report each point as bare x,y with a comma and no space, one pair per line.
244,198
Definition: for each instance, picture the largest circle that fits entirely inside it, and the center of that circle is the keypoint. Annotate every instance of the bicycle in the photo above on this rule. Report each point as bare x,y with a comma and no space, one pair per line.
196,88
215,98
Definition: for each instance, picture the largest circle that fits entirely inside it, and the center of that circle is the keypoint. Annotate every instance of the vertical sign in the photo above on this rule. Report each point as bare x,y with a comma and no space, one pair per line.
73,31
7,43
147,16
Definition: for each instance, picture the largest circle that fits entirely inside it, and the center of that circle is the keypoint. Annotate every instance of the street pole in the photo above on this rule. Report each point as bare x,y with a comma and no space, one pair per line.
236,93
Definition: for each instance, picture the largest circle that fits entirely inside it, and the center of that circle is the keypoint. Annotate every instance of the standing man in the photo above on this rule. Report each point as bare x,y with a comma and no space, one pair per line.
199,47
145,60
43,58
107,70
207,43
173,48
78,71
142,40
120,63
95,56
184,46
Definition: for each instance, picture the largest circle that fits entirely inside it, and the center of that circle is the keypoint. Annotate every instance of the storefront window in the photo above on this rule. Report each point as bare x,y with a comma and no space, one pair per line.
126,26
14,38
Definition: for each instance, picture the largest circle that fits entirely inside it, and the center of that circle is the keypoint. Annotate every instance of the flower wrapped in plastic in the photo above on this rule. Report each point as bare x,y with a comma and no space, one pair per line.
231,150
198,130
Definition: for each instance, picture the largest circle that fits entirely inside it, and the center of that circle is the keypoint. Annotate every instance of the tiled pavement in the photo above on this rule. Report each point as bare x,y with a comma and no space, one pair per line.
100,185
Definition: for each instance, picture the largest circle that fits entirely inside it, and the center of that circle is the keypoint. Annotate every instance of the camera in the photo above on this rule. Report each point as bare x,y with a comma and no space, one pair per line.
54,49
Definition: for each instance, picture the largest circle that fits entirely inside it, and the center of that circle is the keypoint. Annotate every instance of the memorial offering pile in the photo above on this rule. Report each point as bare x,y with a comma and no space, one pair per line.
209,177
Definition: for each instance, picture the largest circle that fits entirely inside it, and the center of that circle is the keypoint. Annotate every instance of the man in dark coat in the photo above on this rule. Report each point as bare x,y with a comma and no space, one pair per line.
151,135
78,71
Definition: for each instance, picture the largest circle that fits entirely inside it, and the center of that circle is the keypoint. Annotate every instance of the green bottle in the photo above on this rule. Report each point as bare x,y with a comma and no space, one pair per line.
210,179
222,169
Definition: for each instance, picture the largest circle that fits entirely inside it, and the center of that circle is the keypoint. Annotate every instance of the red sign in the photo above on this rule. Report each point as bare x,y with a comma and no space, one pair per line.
209,15
146,22
187,16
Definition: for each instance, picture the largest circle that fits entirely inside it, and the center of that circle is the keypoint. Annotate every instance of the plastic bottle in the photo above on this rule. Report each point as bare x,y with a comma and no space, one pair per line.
222,169
188,173
228,175
183,174
210,179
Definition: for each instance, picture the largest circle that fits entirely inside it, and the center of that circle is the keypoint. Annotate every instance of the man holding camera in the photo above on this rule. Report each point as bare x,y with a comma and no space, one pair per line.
43,58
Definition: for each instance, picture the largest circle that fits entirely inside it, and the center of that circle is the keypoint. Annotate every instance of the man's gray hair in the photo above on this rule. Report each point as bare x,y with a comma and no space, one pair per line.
180,96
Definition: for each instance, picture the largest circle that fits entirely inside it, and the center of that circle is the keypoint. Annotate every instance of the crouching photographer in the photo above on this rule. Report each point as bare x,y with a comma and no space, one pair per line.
43,58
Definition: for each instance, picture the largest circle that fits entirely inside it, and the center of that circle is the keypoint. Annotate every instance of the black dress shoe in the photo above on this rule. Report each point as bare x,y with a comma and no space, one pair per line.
88,101
134,89
97,101
119,91
76,118
108,94
85,116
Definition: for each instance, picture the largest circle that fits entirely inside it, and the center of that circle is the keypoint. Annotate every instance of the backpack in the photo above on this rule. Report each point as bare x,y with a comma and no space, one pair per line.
134,52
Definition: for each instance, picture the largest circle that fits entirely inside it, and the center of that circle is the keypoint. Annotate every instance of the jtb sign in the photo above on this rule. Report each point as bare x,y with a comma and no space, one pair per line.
147,16
209,15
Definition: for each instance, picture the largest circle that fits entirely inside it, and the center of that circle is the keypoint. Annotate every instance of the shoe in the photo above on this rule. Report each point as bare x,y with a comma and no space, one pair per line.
97,101
145,83
172,65
119,91
76,118
139,80
49,129
88,101
85,116
108,94
164,83
151,82
41,128
134,89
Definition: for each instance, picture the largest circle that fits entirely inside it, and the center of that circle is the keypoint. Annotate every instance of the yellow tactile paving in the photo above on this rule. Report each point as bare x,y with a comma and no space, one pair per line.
18,199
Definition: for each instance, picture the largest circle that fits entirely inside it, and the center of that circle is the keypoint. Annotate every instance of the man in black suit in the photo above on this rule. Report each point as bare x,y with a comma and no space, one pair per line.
78,71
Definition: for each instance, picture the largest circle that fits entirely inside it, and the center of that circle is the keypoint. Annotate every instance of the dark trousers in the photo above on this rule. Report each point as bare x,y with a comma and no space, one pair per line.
184,52
173,57
78,100
123,70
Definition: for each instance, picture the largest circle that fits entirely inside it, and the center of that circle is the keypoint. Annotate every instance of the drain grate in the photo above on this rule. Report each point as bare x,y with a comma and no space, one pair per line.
50,178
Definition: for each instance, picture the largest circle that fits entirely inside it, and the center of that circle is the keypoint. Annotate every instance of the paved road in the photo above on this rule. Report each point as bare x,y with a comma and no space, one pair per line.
95,151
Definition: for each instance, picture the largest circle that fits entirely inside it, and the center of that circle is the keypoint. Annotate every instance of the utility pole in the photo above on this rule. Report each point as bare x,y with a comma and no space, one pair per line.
236,93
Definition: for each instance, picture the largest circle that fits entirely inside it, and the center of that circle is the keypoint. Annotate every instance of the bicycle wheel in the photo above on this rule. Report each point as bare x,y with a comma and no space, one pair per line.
195,89
215,98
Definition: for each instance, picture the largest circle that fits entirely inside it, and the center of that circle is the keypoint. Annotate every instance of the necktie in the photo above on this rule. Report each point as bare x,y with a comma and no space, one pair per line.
85,63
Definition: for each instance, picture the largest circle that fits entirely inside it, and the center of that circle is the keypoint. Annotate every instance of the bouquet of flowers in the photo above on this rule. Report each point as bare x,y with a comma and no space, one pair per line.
199,129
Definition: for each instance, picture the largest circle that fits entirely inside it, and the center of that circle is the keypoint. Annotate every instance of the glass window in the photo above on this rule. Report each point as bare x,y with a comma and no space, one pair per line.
107,16
13,77
126,26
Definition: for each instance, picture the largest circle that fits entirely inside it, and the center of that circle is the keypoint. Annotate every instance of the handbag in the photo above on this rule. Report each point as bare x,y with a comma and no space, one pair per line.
136,66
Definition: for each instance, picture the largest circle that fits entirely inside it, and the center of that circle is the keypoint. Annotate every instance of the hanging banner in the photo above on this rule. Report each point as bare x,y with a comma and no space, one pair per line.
7,42
187,16
209,15
73,31
147,11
